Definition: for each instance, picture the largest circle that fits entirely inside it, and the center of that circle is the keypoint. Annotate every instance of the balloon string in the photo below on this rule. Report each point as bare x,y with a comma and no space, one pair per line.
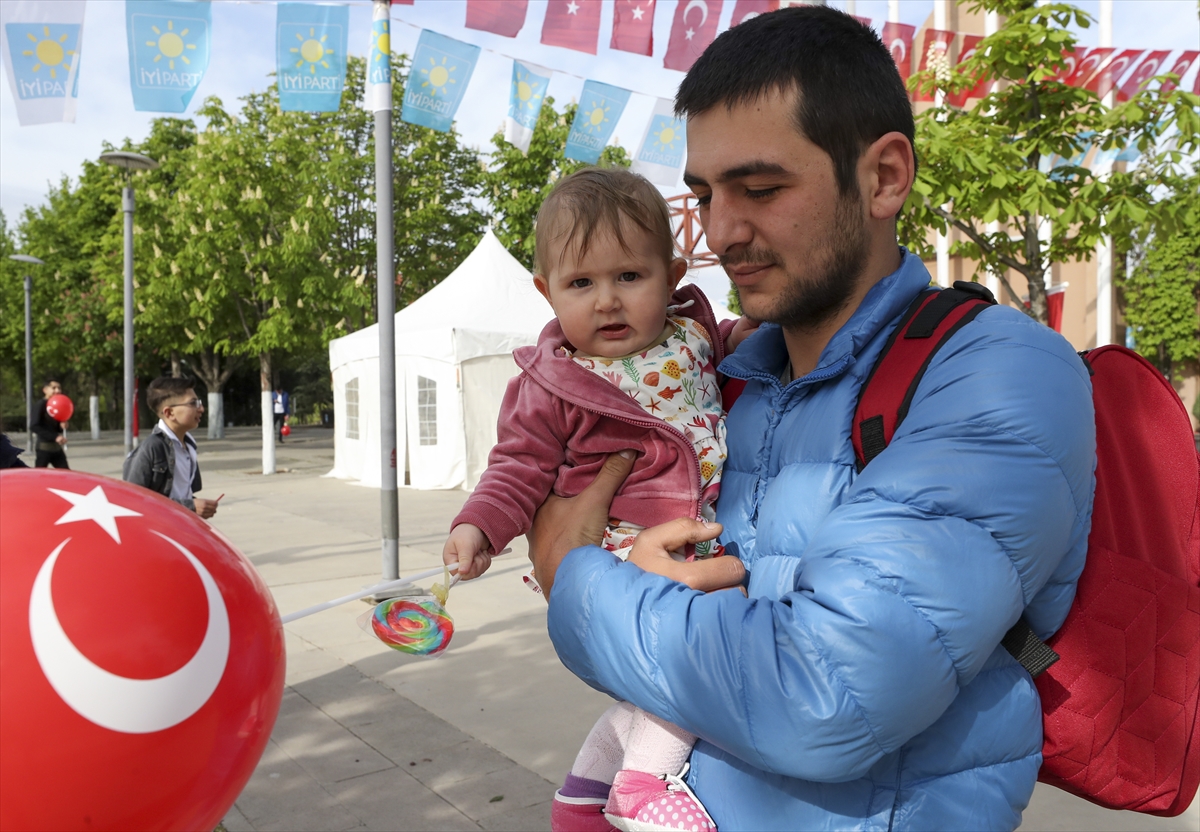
386,586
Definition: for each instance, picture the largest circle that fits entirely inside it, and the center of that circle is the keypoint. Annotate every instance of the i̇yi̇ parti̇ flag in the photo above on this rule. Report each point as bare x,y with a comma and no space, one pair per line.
936,47
898,38
633,26
41,43
1180,68
574,24
1112,72
745,10
529,83
379,60
501,17
169,47
441,69
600,106
692,30
1146,70
310,47
660,156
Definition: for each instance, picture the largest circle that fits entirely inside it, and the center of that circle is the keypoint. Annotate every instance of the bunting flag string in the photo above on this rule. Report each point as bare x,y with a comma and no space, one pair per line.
310,46
633,26
694,28
600,107
41,45
169,45
529,83
660,155
441,69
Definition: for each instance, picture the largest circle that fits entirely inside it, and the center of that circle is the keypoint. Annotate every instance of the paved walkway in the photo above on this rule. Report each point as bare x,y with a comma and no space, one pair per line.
370,739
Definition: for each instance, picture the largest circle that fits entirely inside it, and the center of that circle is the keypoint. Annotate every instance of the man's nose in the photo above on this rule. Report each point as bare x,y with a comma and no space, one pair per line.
724,225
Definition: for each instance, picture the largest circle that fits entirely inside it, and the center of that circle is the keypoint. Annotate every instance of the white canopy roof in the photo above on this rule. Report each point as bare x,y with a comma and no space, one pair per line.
487,306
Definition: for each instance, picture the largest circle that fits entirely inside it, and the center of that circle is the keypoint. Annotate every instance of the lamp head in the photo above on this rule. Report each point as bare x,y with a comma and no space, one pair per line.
27,258
128,160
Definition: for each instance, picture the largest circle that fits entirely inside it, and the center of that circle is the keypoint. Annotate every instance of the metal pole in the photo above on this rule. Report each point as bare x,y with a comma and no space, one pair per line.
127,207
1104,250
28,364
381,100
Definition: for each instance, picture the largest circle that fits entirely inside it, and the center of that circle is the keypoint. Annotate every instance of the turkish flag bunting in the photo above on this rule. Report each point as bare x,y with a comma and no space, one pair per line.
574,24
1180,68
1146,70
503,17
958,99
1108,77
1089,65
1070,62
937,41
693,29
745,9
633,26
898,37
402,2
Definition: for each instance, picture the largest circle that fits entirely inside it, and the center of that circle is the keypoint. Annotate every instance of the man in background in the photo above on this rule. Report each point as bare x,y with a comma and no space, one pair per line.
51,446
282,405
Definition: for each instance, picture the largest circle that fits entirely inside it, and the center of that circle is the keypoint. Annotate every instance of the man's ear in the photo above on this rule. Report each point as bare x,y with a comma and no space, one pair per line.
675,272
888,168
543,287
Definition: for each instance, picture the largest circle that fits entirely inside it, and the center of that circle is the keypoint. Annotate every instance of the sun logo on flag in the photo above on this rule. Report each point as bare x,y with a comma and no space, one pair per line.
49,52
665,138
312,51
437,77
383,44
527,89
170,45
595,118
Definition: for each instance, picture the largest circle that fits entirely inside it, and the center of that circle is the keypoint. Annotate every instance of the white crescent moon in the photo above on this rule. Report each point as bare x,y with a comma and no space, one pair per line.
131,706
899,42
703,9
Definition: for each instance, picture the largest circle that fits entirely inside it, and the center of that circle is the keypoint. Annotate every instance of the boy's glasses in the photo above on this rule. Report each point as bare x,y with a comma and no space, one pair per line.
189,403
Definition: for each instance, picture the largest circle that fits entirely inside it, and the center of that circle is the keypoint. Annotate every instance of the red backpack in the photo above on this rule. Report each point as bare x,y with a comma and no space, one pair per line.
1120,681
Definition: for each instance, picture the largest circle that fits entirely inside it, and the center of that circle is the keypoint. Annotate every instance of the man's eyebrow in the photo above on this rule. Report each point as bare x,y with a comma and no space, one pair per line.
757,167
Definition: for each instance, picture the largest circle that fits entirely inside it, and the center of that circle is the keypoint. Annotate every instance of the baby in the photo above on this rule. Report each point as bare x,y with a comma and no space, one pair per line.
629,363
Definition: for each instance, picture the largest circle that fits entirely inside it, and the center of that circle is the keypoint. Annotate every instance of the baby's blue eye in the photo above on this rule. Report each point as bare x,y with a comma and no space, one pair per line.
629,276
581,283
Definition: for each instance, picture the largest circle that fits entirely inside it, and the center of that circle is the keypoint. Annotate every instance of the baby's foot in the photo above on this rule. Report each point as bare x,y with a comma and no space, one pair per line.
641,802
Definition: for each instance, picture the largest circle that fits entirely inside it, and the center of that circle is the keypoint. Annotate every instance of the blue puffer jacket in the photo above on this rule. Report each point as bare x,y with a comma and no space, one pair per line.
861,685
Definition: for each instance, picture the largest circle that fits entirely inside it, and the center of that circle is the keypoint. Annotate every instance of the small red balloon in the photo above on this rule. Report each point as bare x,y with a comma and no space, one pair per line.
60,407
285,431
143,660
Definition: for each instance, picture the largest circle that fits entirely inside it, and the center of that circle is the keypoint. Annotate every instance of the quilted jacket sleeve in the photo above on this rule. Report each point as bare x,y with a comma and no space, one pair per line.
861,637
522,467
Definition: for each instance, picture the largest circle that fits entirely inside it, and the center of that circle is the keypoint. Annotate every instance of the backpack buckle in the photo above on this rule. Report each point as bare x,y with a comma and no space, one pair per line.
977,289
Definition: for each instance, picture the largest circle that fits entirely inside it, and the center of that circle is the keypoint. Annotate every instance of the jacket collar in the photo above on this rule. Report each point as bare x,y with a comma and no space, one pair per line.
162,428
764,354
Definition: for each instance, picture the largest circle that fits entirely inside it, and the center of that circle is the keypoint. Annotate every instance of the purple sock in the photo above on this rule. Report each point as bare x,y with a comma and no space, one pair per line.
583,787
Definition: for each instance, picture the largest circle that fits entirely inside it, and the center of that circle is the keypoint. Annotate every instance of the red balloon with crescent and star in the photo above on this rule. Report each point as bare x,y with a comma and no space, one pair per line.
142,664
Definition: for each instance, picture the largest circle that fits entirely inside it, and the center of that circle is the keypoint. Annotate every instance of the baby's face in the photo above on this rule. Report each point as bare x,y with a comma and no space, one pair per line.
612,302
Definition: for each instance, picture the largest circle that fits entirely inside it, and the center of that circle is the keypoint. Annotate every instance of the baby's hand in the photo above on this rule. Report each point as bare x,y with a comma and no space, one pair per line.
468,547
743,329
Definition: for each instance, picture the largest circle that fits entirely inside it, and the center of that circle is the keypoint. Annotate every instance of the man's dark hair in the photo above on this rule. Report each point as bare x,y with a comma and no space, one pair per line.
164,388
849,92
51,380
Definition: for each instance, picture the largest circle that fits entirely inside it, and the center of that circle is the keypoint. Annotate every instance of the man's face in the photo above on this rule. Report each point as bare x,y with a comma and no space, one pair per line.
771,211
185,410
51,389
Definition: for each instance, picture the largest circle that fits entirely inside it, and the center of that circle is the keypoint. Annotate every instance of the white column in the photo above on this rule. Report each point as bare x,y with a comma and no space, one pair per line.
991,25
893,11
268,433
94,415
1104,250
941,14
216,415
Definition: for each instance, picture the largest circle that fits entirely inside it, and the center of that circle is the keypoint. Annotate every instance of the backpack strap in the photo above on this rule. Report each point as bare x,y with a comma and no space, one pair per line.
930,321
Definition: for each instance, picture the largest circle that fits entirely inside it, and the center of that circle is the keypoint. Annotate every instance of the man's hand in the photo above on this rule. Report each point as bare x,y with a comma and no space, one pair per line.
652,552
566,523
62,440
743,329
205,508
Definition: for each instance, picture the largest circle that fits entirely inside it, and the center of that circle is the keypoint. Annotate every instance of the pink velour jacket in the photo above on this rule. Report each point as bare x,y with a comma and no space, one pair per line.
559,422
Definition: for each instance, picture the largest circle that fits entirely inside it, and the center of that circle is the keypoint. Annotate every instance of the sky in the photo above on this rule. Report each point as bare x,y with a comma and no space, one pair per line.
244,48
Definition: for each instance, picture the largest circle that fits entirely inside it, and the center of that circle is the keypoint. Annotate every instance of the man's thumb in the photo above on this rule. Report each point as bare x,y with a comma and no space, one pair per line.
612,474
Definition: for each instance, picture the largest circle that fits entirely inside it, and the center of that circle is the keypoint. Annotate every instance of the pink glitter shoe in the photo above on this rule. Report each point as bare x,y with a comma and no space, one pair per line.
578,814
641,802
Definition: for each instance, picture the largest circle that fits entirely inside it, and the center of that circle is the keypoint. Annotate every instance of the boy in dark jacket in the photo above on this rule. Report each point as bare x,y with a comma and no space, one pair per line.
51,438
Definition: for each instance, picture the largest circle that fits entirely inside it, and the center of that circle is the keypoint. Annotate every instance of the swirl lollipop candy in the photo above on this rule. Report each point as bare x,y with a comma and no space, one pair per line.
420,626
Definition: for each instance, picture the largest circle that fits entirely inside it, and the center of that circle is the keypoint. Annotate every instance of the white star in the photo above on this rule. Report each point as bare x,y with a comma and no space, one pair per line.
637,12
93,506
572,7
689,34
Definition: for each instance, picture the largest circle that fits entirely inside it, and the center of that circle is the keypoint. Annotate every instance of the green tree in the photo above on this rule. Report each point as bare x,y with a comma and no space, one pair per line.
989,163
517,182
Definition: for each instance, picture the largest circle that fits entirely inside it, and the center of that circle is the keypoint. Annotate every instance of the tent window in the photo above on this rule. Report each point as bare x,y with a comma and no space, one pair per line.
352,409
427,409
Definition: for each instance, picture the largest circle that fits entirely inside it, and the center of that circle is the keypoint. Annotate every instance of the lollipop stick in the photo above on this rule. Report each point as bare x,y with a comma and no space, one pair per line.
371,590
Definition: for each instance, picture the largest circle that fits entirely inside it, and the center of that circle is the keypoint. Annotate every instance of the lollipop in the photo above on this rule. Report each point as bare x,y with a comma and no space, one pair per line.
417,626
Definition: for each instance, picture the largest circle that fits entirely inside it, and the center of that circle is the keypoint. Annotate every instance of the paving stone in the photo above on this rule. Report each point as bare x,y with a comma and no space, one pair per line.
392,800
517,787
235,821
460,762
322,747
534,818
352,699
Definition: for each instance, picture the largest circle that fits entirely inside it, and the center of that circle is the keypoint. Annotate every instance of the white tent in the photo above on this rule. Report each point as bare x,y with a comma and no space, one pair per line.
453,361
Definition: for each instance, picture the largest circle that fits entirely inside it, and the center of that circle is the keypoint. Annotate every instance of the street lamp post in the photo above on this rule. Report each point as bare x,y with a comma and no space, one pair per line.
26,258
129,162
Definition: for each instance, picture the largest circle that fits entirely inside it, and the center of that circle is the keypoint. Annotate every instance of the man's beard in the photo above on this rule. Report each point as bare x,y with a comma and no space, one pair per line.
816,295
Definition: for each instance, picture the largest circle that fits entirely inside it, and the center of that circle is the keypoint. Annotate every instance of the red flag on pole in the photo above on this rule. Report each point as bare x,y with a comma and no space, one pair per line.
693,29
1108,77
1180,68
402,2
503,17
898,38
1088,66
1146,70
573,24
744,10
958,99
937,44
633,26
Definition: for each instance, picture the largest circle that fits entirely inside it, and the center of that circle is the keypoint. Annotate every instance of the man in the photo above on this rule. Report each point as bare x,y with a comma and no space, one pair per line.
166,461
51,447
282,407
861,684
